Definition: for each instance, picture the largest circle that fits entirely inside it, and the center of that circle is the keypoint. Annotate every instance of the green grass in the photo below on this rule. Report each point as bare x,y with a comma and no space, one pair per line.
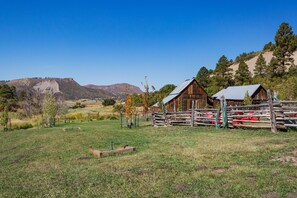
169,162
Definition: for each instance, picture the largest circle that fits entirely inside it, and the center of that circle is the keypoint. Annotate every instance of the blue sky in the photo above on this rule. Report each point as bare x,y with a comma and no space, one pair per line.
106,42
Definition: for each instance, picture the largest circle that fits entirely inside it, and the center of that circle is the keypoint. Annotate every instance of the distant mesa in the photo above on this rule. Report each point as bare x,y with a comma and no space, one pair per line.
46,85
71,90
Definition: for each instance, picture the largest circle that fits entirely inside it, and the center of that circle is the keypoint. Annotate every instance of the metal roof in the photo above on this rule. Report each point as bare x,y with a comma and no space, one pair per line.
236,92
181,87
175,92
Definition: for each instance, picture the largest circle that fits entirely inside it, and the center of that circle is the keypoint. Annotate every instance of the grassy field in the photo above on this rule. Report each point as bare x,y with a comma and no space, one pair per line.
169,162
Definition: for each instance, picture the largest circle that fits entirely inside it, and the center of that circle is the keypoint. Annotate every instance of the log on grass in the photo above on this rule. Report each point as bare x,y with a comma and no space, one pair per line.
98,153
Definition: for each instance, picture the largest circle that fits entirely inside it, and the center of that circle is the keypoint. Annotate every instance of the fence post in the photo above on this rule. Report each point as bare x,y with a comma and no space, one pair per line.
121,120
271,111
222,111
192,114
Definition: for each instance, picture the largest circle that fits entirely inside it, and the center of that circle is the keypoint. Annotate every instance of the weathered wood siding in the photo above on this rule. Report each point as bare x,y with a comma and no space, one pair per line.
260,95
183,102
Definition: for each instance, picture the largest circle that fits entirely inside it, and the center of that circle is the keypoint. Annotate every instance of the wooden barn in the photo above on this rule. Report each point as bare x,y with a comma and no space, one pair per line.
180,99
234,95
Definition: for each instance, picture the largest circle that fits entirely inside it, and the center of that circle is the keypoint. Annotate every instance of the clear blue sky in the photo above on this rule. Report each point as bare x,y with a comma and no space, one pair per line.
109,41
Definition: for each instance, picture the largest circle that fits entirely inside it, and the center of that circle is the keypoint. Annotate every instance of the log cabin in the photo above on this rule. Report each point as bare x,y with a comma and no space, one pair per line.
234,95
180,99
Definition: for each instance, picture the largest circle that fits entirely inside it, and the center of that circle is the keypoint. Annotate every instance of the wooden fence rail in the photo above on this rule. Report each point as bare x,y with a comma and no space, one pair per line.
277,115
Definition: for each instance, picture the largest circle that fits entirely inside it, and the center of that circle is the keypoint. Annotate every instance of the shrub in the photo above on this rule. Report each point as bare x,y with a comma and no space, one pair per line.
26,126
23,126
118,108
101,118
108,102
113,118
78,105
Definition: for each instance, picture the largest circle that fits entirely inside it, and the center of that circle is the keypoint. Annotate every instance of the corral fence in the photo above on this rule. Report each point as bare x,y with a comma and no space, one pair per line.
274,115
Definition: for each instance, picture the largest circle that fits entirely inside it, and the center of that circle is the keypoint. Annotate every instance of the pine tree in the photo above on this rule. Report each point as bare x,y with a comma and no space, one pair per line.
260,66
272,68
8,100
242,75
285,45
203,77
223,73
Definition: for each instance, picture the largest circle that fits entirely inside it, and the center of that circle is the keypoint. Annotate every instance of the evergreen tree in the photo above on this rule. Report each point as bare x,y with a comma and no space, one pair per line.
8,100
269,47
203,77
223,73
260,66
242,75
8,96
293,70
285,45
272,68
166,90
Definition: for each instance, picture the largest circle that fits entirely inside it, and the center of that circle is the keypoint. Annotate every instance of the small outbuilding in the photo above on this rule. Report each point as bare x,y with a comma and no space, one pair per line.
181,98
234,95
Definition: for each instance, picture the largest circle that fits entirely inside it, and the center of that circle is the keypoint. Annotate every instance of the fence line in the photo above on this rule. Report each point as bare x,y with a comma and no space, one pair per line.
277,115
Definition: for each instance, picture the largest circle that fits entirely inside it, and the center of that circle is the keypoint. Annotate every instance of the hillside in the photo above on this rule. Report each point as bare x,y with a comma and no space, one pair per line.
252,62
71,90
68,87
117,89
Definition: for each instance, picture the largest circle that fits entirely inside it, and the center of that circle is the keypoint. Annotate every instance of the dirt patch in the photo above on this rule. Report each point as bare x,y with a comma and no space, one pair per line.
180,187
201,168
215,196
19,159
271,195
290,158
251,179
144,172
84,158
292,195
195,196
280,142
276,173
276,142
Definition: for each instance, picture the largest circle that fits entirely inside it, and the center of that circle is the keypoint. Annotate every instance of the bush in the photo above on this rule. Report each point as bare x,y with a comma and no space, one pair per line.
23,126
113,118
101,118
108,102
26,126
78,105
118,108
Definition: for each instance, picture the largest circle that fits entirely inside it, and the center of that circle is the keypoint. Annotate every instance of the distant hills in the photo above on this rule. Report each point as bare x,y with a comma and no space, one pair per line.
121,89
71,90
252,62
